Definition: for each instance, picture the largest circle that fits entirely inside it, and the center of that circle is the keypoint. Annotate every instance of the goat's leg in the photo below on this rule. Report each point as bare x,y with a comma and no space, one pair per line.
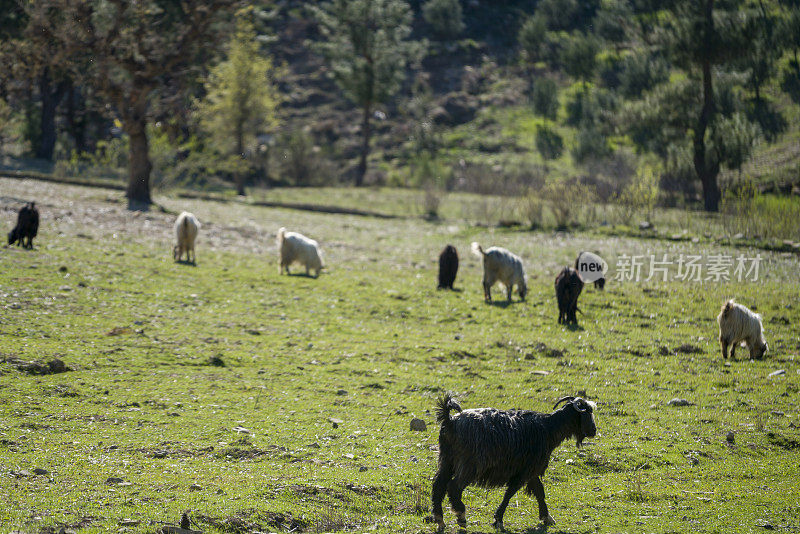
535,487
513,487
509,290
438,490
487,290
733,351
724,344
454,491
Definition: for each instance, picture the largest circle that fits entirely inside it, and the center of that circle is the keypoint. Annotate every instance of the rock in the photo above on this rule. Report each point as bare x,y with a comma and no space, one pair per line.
418,425
129,522
349,456
779,372
314,445
679,402
540,373
113,481
341,392
335,422
40,471
241,430
730,437
195,487
22,473
362,469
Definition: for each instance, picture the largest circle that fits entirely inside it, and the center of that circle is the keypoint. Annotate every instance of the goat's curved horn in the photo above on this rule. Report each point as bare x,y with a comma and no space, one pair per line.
562,399
576,404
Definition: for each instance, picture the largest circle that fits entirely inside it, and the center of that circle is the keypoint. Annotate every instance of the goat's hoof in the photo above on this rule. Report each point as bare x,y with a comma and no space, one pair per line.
461,519
498,526
549,521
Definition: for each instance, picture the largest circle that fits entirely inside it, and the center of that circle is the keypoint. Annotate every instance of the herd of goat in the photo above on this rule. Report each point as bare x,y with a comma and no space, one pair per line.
484,446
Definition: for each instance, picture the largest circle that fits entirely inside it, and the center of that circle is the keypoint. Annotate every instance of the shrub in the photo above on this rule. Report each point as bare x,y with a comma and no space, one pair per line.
641,72
567,201
445,17
640,196
549,144
591,145
531,37
545,98
299,161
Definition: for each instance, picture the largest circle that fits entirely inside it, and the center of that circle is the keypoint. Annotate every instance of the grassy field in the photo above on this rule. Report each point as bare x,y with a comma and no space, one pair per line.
267,403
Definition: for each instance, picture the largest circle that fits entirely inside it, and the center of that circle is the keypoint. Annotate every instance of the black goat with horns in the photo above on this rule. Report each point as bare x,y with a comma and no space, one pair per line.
495,448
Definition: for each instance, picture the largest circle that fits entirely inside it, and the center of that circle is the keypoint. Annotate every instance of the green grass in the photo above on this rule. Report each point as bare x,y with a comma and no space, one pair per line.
371,343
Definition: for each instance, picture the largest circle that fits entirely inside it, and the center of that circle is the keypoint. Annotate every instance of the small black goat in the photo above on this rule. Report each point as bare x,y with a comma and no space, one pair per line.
495,448
27,226
448,267
568,288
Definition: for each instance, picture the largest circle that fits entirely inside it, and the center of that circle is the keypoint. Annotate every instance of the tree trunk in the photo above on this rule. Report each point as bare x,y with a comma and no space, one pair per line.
239,176
139,166
365,132
50,99
706,170
76,125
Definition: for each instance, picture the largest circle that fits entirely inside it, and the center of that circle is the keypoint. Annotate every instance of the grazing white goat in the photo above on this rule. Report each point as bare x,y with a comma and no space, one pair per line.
737,324
500,265
295,247
186,228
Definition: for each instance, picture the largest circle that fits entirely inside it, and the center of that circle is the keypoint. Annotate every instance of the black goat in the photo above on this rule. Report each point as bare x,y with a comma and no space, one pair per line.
495,448
448,267
27,226
568,288
600,283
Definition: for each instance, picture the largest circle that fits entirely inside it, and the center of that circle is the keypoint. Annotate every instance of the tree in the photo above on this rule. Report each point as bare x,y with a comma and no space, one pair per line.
702,37
445,17
241,97
128,51
366,44
579,58
531,37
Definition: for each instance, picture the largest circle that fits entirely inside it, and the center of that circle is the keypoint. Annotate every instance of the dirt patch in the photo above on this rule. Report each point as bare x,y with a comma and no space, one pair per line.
779,440
39,367
248,521
687,348
543,350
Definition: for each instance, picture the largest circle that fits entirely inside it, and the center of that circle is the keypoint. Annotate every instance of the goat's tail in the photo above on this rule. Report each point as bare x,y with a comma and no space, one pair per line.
444,404
476,249
727,307
279,240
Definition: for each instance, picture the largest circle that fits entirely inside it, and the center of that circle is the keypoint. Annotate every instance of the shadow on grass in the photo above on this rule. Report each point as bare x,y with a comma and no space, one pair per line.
504,303
303,275
575,327
186,262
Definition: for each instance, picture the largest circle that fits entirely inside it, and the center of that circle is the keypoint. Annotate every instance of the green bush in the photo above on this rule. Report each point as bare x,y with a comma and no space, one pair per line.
641,72
445,17
549,144
591,144
531,37
545,98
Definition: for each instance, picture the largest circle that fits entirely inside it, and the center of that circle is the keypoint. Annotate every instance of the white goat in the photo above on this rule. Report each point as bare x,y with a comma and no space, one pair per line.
186,228
738,324
501,265
295,247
